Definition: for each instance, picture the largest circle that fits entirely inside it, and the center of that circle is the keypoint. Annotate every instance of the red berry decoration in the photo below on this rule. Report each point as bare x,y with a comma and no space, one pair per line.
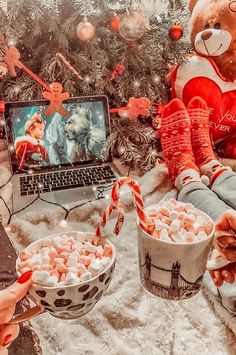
176,32
114,24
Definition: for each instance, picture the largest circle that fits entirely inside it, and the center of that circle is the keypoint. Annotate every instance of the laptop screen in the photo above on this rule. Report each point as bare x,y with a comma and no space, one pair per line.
39,141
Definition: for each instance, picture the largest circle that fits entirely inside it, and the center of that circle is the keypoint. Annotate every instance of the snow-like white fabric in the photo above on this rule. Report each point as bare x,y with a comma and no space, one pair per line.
128,320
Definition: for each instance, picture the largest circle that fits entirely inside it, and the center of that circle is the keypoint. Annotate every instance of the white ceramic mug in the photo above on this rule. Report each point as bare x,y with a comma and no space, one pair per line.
172,270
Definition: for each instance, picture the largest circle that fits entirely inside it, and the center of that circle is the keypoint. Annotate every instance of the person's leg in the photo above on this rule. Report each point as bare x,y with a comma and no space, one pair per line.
222,179
175,135
225,187
204,199
185,174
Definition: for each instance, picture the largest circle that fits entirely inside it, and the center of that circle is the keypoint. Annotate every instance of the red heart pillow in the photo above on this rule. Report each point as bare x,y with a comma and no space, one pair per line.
199,76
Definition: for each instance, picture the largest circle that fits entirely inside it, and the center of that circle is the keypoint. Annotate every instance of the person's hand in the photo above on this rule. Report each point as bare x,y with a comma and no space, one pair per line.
226,245
8,300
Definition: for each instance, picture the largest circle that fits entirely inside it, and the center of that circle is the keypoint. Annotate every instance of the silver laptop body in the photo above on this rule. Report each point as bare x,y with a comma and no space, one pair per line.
57,159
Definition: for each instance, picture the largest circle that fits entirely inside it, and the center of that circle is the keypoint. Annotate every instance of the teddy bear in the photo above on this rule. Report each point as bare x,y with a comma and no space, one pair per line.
211,72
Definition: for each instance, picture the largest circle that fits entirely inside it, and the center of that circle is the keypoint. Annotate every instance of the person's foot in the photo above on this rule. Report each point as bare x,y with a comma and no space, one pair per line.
175,135
201,141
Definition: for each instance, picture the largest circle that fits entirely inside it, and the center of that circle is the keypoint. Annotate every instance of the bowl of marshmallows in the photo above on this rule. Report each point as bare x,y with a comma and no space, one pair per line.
70,273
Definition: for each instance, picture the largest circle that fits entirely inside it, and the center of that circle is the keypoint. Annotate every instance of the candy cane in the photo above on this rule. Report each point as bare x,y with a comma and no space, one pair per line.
67,63
115,205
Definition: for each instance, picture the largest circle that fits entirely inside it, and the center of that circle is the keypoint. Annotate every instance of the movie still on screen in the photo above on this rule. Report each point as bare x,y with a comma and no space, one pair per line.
40,140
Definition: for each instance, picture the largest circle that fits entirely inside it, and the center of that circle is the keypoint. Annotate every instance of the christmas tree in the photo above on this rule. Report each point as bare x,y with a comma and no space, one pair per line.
113,62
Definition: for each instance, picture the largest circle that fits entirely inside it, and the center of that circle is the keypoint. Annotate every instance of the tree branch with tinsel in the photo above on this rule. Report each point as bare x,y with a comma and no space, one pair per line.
52,26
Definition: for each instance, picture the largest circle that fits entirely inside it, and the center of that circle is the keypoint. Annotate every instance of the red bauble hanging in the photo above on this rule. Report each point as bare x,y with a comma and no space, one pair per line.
114,24
176,32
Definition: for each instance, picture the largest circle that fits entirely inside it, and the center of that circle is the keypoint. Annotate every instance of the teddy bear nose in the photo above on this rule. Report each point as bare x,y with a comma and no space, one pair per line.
206,34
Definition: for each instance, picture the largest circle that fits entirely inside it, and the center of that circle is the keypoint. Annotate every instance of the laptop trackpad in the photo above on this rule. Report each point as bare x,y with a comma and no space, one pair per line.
74,195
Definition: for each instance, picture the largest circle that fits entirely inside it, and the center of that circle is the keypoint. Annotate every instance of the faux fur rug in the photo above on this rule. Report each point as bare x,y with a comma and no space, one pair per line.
128,319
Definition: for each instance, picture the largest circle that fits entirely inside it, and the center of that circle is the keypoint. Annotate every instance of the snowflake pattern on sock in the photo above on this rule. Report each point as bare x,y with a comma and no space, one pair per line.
201,141
176,141
200,136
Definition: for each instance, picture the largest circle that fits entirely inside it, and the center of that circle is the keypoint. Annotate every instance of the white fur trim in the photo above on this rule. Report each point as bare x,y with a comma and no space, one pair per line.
205,180
29,139
193,174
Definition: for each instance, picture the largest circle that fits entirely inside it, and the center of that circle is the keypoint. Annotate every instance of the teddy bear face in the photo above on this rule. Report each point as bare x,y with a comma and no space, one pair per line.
213,32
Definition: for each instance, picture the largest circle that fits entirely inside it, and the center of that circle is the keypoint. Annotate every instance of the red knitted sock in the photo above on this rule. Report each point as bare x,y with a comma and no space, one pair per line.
200,133
176,143
201,141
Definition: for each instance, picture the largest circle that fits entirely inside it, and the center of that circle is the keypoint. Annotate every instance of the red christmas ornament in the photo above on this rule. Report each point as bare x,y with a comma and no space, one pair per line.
118,69
114,24
176,32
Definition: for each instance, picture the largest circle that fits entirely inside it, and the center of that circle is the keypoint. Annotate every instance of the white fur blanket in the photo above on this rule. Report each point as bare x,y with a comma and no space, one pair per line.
128,319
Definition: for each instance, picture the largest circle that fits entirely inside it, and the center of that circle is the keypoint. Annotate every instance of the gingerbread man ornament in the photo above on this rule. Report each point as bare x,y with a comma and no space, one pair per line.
56,97
12,60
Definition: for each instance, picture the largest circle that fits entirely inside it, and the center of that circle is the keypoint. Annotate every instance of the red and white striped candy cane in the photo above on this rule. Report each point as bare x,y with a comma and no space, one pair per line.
115,205
69,66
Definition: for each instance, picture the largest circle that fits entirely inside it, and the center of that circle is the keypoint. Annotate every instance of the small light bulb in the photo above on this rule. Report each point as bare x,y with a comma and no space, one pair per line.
98,12
2,123
94,188
7,229
16,89
40,186
136,83
156,78
63,223
30,171
12,42
11,147
87,78
107,197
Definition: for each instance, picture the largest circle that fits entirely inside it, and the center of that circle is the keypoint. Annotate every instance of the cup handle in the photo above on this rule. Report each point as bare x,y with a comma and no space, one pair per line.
27,315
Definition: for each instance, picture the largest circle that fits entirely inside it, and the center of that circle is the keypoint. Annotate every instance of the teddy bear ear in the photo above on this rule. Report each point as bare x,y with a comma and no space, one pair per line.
191,4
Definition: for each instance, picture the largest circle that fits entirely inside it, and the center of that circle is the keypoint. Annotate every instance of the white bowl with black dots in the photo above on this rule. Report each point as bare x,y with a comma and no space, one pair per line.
71,301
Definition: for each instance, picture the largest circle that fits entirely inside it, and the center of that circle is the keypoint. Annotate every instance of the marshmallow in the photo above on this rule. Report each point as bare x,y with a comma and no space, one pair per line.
85,260
105,261
52,281
95,267
86,276
40,277
71,278
173,215
164,235
202,235
25,255
44,251
175,225
160,225
72,261
107,250
165,212
178,222
64,260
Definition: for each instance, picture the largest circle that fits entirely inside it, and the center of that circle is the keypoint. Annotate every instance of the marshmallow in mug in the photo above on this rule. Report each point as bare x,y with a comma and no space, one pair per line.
178,222
62,260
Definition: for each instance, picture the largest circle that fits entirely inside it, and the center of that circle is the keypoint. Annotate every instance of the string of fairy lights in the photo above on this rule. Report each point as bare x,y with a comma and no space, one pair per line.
102,193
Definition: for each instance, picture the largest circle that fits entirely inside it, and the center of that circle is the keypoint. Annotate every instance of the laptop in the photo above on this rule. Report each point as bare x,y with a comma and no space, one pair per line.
58,156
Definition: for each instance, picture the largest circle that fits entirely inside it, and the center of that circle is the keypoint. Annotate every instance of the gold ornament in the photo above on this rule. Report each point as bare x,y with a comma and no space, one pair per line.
133,25
85,31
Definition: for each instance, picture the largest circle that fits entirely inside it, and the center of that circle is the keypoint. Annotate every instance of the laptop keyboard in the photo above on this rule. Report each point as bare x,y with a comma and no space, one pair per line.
68,179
